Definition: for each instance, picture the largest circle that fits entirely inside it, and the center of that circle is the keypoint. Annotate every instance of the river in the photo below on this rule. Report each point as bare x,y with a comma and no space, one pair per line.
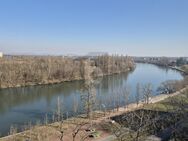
19,106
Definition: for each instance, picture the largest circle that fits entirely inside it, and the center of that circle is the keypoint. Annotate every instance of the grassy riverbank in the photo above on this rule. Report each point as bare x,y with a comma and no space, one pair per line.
185,68
53,131
165,118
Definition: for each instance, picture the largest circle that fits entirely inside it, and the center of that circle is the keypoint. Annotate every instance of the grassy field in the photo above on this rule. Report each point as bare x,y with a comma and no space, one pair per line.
172,103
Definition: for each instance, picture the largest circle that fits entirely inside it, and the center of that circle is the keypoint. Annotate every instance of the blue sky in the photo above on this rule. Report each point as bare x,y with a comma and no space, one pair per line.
133,27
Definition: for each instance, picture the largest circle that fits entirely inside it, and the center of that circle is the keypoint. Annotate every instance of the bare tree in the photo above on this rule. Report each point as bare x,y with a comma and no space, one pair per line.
88,97
147,92
126,94
167,87
88,92
117,97
138,93
78,128
60,119
75,105
132,126
58,112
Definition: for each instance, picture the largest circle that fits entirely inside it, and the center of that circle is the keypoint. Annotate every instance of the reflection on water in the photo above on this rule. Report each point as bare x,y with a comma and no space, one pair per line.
22,105
27,95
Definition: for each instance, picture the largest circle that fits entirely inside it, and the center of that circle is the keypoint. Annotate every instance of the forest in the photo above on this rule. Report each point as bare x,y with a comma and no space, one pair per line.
16,71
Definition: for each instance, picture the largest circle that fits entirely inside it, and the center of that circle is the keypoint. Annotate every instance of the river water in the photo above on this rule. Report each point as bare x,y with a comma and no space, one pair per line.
19,106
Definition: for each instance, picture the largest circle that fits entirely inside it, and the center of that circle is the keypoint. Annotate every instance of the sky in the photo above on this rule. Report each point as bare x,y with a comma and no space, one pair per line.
61,27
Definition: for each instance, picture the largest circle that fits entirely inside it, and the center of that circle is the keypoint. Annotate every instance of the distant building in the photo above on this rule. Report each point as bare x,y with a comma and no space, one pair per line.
1,54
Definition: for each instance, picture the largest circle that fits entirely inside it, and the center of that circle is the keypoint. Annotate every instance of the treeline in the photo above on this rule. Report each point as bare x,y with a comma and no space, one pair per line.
31,70
171,86
163,61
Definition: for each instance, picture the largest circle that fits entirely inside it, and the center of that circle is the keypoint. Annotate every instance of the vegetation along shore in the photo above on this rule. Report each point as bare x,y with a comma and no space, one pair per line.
17,71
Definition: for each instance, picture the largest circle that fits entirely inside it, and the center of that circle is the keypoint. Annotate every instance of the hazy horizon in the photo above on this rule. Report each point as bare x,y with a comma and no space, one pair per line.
131,27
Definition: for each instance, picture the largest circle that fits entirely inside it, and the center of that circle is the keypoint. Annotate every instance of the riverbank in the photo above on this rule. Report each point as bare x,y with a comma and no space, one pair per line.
179,69
98,118
51,82
184,72
33,103
20,71
161,120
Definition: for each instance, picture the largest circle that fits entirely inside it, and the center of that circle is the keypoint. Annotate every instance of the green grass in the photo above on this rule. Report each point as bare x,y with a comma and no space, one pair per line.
185,68
171,103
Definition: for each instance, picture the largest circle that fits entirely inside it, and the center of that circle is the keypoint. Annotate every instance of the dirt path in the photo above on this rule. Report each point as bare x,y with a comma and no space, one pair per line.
134,106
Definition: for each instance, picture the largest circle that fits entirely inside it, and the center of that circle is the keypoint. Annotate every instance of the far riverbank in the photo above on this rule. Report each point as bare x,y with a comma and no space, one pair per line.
21,71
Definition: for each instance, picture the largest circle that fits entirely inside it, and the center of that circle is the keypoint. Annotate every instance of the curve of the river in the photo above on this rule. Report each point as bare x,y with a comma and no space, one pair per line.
19,106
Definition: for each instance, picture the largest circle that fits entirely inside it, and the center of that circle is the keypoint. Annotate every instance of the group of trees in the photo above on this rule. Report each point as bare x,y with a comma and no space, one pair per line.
168,122
114,63
171,86
88,98
28,70
163,61
181,61
120,98
138,124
